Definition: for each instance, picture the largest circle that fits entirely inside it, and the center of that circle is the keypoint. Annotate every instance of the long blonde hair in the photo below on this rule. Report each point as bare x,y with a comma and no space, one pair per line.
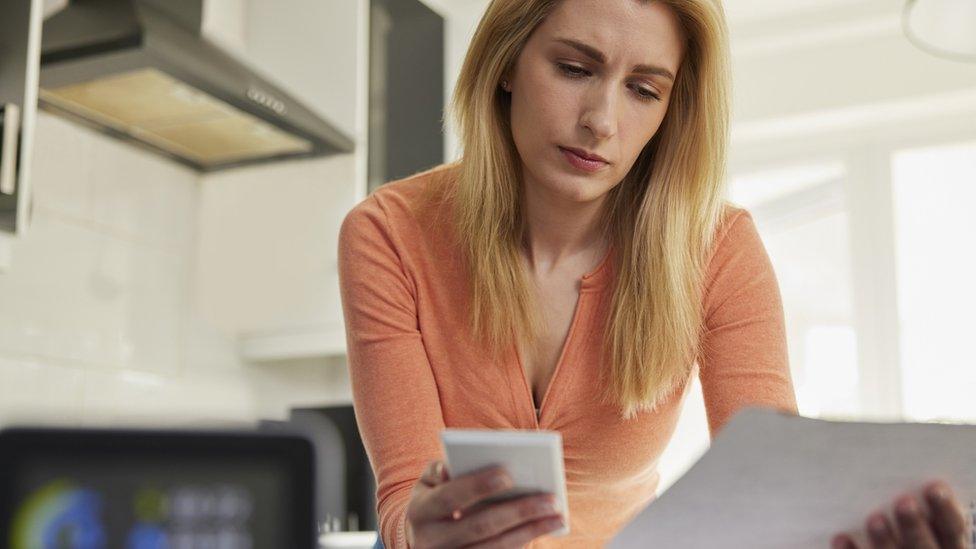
660,218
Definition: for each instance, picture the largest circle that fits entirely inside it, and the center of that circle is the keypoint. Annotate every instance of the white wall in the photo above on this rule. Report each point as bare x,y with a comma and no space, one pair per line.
125,300
100,322
313,49
266,255
95,304
267,245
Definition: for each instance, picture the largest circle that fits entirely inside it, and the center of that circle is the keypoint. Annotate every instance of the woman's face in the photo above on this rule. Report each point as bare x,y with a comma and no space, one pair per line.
596,75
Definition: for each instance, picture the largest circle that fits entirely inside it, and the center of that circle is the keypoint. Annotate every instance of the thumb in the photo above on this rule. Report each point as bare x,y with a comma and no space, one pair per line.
434,473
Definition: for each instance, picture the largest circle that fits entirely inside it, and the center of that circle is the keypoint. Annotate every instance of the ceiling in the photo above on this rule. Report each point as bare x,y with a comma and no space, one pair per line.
739,12
758,26
747,11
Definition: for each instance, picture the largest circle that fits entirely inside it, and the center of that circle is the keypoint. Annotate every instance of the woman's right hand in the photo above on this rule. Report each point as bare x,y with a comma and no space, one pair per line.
445,512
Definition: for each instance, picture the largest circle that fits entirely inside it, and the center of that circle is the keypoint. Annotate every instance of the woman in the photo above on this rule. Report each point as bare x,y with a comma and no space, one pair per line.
571,272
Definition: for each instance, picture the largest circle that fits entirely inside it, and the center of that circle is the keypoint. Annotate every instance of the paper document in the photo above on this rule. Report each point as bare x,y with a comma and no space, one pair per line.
773,480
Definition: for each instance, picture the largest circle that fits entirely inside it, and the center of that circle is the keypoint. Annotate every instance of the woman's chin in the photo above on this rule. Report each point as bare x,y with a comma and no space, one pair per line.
578,191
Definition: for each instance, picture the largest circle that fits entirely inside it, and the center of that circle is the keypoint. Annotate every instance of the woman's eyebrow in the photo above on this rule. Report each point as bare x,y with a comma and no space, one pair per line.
599,57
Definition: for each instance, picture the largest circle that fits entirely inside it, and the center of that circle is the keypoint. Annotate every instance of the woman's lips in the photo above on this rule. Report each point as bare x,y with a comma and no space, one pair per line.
581,163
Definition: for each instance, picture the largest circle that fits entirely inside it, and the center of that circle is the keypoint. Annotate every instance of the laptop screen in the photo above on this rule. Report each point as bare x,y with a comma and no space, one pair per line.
155,489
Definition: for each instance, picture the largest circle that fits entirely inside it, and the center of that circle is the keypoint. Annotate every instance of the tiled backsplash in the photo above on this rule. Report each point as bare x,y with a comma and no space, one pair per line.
97,322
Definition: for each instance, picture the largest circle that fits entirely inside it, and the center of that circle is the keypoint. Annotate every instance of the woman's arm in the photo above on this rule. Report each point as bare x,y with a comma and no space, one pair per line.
743,361
394,395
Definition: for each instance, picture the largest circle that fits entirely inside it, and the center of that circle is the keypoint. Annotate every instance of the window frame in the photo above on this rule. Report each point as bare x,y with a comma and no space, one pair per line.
867,154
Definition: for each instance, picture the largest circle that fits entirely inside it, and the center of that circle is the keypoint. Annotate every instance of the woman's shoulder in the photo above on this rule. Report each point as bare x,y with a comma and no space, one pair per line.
733,220
735,230
404,199
404,212
737,250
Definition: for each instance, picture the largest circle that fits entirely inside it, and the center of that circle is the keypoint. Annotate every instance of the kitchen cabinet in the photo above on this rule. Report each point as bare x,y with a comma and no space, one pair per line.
406,89
20,35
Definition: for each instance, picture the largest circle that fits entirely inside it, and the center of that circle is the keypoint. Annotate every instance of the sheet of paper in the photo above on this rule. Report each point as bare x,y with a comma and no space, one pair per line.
773,480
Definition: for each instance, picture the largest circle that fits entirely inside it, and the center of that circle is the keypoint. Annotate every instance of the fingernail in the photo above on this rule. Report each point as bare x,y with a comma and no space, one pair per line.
498,482
439,470
907,506
939,493
839,542
877,525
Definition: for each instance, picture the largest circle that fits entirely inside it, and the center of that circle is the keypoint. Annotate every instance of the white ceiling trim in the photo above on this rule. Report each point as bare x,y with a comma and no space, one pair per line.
866,28
751,11
849,119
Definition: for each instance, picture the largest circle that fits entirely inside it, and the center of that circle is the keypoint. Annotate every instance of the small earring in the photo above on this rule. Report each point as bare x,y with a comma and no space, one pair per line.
505,85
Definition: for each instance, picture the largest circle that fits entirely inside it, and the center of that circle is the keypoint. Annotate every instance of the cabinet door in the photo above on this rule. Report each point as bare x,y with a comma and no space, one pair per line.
20,40
406,90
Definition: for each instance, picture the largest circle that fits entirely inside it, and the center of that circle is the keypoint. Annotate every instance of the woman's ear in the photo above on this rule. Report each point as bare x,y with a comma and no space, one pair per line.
506,78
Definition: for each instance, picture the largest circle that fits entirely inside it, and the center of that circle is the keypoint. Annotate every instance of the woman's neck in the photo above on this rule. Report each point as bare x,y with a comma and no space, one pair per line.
560,231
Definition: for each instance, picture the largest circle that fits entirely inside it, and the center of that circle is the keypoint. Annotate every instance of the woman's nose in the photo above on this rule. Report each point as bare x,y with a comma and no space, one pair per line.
600,116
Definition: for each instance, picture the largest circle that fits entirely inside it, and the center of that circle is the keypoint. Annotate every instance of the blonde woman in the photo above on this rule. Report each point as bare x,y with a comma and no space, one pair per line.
570,272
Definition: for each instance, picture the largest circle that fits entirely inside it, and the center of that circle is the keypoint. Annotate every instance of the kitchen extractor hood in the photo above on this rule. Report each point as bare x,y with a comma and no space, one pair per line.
142,71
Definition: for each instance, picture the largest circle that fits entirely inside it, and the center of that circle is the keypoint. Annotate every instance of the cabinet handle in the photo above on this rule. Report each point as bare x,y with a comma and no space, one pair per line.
10,126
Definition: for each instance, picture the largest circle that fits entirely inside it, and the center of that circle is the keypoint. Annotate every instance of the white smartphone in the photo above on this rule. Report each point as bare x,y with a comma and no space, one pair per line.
534,459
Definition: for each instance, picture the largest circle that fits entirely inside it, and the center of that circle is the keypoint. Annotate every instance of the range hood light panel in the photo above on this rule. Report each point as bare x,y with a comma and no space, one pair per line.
153,107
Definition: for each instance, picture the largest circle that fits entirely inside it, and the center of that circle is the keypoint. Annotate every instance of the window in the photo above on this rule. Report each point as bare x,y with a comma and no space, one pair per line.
934,195
802,217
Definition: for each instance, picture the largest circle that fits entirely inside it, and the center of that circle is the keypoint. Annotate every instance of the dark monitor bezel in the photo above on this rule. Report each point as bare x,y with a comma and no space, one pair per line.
20,444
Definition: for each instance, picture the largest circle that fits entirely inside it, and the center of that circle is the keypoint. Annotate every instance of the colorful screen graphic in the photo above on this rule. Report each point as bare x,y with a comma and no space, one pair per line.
59,515
148,506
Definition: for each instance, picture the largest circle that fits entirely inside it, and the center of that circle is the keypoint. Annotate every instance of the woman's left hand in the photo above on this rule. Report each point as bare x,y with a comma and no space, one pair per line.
941,524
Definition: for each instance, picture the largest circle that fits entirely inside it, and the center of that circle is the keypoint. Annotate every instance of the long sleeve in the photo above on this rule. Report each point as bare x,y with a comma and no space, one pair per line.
743,361
395,397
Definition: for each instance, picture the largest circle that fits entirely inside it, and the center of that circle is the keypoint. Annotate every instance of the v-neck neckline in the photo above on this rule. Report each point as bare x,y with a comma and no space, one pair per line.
589,282
601,274
520,364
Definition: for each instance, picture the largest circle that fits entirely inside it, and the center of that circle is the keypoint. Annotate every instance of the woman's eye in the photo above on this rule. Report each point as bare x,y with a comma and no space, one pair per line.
572,71
647,94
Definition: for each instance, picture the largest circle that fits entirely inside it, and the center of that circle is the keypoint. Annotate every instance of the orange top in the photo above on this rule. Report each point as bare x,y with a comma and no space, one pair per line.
413,372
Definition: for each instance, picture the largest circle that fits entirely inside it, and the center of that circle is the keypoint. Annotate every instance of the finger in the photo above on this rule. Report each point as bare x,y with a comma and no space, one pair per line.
462,492
517,537
948,519
842,541
881,532
436,473
913,526
498,518
431,475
